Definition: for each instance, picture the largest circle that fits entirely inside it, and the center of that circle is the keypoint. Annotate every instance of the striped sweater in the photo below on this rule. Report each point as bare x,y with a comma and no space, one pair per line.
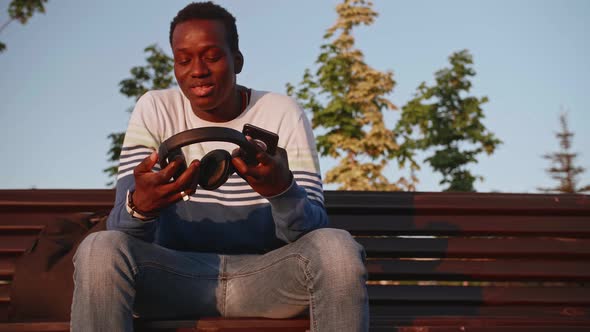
232,219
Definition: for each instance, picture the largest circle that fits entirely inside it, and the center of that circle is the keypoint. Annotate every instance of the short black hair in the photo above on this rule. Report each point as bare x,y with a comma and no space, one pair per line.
209,11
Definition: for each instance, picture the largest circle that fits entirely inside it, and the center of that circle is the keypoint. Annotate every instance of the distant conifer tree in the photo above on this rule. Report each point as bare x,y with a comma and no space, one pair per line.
563,169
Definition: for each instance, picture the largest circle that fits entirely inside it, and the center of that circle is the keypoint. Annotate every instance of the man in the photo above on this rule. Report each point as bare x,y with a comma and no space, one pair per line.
255,247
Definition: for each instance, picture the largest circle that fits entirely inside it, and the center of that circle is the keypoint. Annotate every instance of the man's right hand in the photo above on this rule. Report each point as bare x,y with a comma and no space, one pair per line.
154,191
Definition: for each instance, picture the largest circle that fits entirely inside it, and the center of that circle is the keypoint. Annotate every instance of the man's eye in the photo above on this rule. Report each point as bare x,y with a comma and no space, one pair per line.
183,61
212,58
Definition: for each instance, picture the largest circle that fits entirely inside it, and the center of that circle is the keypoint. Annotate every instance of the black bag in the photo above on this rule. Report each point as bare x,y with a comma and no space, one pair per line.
43,282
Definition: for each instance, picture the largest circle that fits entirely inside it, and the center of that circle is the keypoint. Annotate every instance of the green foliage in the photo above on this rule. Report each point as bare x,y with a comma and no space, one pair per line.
346,98
563,169
444,118
22,11
156,74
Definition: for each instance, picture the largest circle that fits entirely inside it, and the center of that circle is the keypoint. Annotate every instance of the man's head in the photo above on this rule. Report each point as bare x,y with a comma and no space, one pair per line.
209,11
204,42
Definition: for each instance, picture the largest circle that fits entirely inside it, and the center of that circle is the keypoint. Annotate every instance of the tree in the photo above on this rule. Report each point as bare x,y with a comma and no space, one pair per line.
22,11
444,118
563,169
157,74
346,98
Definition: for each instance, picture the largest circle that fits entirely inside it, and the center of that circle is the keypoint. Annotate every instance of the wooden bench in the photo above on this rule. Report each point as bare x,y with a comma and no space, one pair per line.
436,261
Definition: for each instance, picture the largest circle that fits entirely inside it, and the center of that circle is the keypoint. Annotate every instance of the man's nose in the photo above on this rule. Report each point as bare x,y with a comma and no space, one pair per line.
199,68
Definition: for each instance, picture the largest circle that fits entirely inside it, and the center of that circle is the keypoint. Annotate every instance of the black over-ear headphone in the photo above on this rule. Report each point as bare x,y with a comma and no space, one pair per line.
216,165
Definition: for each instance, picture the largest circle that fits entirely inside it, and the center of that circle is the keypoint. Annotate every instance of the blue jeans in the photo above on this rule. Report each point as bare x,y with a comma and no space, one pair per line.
118,276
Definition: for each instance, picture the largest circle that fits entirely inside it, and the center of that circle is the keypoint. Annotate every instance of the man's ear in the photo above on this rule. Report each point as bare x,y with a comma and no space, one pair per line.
239,62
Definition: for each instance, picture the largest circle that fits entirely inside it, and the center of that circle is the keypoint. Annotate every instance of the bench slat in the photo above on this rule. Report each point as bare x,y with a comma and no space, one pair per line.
6,267
352,201
73,200
446,270
209,324
35,327
427,203
574,296
21,229
458,294
28,218
10,244
448,310
533,327
384,326
4,293
481,225
460,320
482,270
573,226
438,324
476,247
423,247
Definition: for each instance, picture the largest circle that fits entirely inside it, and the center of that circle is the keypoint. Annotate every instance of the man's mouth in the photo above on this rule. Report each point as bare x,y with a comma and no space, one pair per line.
202,90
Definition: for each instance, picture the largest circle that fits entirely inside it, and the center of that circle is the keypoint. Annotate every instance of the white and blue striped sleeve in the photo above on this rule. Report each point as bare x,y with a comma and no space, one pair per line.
140,140
300,208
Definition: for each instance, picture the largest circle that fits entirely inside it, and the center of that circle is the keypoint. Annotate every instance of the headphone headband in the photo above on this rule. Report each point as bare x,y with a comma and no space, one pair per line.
205,134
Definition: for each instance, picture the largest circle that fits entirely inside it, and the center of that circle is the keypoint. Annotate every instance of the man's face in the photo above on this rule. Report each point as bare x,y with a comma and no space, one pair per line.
204,66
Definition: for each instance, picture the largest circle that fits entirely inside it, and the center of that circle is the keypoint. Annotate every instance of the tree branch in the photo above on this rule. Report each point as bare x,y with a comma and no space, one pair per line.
6,24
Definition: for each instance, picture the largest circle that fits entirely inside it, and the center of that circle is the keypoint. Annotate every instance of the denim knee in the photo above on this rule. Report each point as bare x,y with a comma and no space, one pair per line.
103,254
335,255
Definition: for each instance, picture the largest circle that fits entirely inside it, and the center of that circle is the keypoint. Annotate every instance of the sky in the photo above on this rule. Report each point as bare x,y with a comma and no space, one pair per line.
59,76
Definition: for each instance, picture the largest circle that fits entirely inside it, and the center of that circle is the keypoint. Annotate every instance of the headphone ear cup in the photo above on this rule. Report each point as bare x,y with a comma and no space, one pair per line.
215,169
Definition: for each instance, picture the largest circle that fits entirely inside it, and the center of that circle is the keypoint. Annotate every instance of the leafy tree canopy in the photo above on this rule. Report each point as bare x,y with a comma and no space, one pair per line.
444,118
346,98
156,74
22,11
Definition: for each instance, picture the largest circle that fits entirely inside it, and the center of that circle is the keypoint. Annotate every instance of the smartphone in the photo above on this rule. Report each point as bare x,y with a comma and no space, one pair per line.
269,138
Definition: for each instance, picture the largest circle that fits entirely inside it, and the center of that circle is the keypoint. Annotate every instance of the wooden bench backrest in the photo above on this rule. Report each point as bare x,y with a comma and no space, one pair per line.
472,255
24,213
445,255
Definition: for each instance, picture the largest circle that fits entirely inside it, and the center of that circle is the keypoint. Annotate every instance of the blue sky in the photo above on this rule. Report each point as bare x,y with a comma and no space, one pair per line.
59,75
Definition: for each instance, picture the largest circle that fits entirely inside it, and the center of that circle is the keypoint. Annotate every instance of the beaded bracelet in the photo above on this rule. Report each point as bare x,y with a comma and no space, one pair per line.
135,212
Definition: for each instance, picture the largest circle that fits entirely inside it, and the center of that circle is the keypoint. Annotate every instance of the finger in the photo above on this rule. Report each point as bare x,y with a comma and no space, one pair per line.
185,186
177,196
258,144
147,164
183,193
195,178
185,180
264,158
239,163
167,172
238,152
242,154
245,170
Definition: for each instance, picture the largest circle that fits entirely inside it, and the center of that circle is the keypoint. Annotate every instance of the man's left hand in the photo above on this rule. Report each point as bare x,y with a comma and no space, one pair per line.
270,176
